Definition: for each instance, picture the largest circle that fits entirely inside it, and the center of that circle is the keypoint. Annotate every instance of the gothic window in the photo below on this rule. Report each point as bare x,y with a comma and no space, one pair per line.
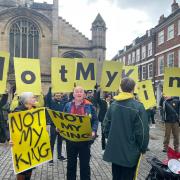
72,54
24,39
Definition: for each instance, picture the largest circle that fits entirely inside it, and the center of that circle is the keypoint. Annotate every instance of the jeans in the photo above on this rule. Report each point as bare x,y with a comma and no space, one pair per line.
73,150
53,135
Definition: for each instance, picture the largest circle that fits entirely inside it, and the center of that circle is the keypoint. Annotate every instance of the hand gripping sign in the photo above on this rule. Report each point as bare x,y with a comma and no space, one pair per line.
31,145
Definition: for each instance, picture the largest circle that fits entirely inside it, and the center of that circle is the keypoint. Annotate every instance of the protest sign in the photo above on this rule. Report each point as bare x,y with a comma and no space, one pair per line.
72,127
31,145
27,74
146,94
62,74
171,85
86,73
111,76
4,65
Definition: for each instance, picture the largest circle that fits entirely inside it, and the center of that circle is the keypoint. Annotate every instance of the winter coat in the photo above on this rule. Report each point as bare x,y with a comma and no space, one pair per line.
126,126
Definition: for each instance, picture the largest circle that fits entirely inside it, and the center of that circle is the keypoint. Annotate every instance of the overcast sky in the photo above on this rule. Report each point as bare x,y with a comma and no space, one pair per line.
125,19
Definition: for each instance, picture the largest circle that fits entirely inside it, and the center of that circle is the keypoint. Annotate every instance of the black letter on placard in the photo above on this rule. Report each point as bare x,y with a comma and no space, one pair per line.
111,78
80,69
171,80
2,59
145,92
26,81
63,72
127,74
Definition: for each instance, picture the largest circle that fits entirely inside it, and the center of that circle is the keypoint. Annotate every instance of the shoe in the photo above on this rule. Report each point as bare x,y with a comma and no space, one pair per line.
147,149
61,158
51,163
153,126
102,153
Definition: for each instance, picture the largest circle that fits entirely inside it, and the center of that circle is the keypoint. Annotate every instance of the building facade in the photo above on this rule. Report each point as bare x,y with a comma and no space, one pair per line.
158,48
35,30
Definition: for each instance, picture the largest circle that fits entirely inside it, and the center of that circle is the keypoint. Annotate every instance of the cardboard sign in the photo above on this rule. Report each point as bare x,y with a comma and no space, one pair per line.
31,145
131,72
72,127
4,65
62,74
171,85
111,76
86,73
27,74
146,94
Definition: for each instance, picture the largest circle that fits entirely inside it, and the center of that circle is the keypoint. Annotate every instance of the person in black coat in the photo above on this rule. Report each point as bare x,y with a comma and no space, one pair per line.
3,121
103,103
55,102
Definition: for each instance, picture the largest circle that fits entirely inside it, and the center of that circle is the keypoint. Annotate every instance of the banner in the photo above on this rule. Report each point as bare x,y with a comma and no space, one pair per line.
27,74
62,74
72,127
86,73
146,94
131,72
4,65
111,76
171,85
31,145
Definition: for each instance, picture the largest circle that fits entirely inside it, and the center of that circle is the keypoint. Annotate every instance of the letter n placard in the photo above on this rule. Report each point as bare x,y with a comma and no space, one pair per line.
27,74
171,82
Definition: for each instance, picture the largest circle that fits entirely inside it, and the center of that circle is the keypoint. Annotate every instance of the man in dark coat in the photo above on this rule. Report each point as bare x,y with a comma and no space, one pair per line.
171,115
126,126
3,121
56,103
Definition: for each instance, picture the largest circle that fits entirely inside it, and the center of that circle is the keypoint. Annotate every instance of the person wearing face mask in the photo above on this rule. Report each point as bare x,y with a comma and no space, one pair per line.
27,102
55,102
81,106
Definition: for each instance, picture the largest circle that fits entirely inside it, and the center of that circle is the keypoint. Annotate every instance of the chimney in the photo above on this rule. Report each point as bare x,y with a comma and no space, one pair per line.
161,19
174,6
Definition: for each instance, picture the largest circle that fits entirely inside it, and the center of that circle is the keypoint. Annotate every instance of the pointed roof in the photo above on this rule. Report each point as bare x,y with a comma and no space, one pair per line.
99,21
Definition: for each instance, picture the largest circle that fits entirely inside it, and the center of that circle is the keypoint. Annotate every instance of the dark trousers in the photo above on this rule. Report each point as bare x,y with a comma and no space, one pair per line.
73,150
4,132
53,135
103,139
123,173
174,127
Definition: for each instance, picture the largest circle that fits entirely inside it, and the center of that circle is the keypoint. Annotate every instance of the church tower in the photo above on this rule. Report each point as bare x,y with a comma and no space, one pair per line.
99,43
55,34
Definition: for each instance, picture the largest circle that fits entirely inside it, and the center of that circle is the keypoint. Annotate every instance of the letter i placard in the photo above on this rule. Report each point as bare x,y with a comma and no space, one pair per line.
171,85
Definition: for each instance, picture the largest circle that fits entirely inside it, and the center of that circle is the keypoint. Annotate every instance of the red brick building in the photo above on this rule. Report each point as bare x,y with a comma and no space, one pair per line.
158,48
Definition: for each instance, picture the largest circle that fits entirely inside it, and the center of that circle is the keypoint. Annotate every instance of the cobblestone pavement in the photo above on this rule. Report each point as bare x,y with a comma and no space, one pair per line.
100,170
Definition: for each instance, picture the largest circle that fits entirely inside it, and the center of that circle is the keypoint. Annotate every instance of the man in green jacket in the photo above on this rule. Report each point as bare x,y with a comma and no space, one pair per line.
126,127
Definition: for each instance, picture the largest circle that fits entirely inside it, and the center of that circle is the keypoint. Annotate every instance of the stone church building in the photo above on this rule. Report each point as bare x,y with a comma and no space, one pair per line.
34,30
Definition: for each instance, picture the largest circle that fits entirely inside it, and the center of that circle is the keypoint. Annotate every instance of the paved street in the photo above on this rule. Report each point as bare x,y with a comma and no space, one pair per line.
99,168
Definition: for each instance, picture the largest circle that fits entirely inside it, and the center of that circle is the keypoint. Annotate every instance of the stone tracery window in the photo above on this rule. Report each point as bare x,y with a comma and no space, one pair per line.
24,39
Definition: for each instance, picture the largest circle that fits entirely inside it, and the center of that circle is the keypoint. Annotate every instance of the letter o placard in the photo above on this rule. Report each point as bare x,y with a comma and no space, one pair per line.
24,77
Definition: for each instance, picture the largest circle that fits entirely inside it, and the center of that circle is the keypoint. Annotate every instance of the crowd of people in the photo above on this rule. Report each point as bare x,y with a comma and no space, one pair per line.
124,126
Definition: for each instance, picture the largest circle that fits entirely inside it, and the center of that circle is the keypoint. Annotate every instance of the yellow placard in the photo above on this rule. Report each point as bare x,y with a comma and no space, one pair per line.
27,74
4,65
86,73
171,85
31,145
131,72
111,76
146,94
72,127
62,74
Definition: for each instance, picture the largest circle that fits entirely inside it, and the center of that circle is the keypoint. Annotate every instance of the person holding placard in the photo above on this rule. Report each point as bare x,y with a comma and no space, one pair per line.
126,127
171,109
55,102
80,106
27,102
